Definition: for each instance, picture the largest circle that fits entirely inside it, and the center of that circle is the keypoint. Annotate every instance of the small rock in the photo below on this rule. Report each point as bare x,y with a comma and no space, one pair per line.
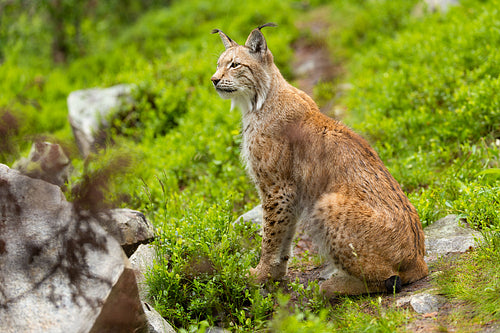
403,301
157,324
450,235
343,87
425,7
440,5
129,227
90,108
142,260
305,67
426,303
216,330
46,161
255,216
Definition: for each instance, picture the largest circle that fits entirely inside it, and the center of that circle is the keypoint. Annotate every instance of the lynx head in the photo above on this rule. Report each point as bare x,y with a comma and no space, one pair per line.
244,72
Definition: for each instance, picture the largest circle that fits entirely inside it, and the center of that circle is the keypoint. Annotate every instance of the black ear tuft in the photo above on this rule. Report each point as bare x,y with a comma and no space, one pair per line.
270,24
228,42
256,41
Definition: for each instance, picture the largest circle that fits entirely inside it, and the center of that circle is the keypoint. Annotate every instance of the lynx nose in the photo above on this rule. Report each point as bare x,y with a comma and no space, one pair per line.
215,80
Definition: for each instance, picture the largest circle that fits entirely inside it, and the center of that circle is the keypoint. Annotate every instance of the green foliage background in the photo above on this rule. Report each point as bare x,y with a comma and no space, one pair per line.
425,94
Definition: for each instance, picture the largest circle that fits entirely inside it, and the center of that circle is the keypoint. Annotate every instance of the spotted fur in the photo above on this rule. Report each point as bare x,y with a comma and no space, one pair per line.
308,167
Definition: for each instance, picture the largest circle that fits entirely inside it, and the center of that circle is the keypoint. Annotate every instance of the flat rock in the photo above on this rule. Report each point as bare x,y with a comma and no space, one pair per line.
403,301
426,303
450,235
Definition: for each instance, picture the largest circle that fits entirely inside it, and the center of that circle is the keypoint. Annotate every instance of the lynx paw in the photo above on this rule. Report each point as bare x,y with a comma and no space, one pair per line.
258,276
349,285
261,273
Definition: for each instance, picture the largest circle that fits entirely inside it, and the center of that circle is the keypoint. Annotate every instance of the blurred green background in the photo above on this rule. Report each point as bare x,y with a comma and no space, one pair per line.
423,90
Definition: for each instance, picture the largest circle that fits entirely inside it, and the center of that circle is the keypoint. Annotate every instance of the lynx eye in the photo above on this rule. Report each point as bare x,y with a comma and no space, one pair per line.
234,64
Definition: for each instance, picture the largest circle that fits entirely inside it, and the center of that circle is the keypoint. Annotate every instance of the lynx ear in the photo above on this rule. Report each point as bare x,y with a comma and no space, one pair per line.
256,41
228,42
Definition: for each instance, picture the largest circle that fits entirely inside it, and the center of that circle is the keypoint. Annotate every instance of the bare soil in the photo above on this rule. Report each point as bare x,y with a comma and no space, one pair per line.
312,63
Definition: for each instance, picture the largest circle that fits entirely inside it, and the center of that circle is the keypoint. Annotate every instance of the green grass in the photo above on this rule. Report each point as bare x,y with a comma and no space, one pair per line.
425,94
473,281
365,314
432,111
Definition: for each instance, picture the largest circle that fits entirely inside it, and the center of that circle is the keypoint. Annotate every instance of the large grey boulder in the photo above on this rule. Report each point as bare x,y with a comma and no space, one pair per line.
60,271
450,235
46,161
89,110
129,227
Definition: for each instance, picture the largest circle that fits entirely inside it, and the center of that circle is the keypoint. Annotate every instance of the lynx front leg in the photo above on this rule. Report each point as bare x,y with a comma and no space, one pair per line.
278,229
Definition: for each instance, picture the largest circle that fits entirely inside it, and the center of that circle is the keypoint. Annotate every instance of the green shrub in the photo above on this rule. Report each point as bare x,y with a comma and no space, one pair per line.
203,273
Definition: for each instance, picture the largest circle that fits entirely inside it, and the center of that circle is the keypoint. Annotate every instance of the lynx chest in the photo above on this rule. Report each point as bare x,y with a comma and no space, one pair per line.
265,152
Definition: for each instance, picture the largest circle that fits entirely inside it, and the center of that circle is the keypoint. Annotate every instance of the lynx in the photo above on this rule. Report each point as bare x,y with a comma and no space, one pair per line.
309,167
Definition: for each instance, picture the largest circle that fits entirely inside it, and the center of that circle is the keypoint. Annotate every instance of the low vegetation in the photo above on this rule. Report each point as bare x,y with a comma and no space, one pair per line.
424,93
